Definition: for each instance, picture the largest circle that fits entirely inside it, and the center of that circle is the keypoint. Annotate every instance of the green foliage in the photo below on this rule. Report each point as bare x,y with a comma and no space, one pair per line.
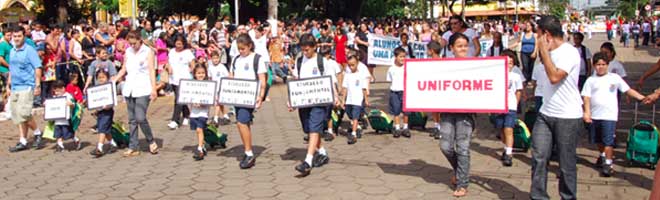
171,7
627,7
418,9
558,8
109,5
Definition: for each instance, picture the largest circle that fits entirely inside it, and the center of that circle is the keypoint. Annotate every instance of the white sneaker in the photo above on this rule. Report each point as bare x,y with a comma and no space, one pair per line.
185,122
172,125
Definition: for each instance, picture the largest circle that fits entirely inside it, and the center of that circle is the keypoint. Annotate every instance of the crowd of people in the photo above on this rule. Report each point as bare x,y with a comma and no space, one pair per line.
571,85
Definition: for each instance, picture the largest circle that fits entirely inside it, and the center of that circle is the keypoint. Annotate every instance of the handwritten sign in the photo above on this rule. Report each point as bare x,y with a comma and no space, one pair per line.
238,92
381,49
101,96
311,92
456,85
196,92
56,109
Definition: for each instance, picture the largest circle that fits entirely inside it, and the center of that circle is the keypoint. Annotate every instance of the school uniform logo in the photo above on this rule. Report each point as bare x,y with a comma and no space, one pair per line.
246,67
357,83
612,87
315,71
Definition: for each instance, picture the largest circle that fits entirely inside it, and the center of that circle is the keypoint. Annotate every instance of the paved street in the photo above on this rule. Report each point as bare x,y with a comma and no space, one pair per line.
377,167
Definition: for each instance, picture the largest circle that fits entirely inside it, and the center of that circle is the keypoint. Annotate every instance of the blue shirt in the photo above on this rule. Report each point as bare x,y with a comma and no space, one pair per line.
22,64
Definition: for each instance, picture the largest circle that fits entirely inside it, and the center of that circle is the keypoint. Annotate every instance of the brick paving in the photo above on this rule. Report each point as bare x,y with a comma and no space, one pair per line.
377,167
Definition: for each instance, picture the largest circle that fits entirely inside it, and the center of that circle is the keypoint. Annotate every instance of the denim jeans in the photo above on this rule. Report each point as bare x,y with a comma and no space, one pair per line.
137,116
179,108
456,130
564,134
280,70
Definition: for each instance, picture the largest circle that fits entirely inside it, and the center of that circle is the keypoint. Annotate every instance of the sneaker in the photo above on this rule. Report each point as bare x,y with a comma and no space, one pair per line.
359,133
38,142
606,170
406,133
77,145
396,133
185,122
600,161
351,139
199,155
327,136
247,162
19,147
306,138
433,132
58,149
130,153
320,160
304,168
153,148
437,135
507,160
96,153
111,149
173,125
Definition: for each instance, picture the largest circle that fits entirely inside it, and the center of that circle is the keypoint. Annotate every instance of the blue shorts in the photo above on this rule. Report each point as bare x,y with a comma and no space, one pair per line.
353,111
396,103
244,115
507,120
104,121
198,122
602,132
313,119
63,131
328,115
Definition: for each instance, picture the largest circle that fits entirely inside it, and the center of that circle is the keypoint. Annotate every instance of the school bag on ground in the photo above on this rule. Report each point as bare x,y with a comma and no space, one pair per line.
417,119
120,135
336,116
214,138
642,144
521,136
379,121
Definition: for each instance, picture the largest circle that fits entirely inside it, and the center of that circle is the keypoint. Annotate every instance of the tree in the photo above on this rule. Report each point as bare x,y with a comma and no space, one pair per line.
628,7
272,9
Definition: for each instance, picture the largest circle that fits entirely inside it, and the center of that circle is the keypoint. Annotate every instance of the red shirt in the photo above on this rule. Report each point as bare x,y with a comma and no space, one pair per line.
516,27
75,92
608,25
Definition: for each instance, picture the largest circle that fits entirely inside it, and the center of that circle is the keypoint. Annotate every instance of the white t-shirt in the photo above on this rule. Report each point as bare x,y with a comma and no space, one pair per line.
261,47
38,35
245,67
180,64
562,100
515,84
361,69
602,91
65,122
309,68
538,75
216,72
201,111
470,33
354,85
583,64
331,68
395,75
516,70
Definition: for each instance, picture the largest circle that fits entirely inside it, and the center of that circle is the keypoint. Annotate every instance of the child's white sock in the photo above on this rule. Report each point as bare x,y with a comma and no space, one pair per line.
397,127
608,161
249,153
405,125
308,159
60,144
226,116
215,118
437,126
99,146
36,132
200,148
76,139
113,143
354,133
330,130
508,150
602,154
322,151
23,141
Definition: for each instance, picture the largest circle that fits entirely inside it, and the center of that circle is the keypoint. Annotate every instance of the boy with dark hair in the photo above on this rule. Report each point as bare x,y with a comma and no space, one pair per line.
395,76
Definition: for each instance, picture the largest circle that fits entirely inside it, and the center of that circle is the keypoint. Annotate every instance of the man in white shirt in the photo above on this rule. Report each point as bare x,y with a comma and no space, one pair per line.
559,120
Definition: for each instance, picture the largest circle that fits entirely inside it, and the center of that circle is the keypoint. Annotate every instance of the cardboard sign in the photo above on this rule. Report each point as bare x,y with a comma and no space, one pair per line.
196,92
238,92
56,109
311,92
381,49
467,85
101,95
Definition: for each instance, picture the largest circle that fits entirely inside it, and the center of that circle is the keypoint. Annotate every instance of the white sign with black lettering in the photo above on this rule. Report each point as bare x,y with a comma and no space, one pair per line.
311,92
56,109
196,92
238,92
101,96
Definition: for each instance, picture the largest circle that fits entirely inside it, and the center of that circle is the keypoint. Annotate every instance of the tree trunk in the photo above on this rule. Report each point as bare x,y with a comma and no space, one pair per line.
451,7
463,9
272,9
432,3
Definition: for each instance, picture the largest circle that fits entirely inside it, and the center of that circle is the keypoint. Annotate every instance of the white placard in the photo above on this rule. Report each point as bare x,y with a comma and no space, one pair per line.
196,92
311,92
101,95
381,49
56,109
473,85
238,92
419,49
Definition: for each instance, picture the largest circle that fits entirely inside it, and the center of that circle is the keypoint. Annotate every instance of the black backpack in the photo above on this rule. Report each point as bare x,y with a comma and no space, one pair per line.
319,61
255,65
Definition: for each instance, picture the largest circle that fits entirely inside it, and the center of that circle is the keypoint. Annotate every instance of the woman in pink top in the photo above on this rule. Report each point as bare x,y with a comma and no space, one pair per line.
121,44
161,51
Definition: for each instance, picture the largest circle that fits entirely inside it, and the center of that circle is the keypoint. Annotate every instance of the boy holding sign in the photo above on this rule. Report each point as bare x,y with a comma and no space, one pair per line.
62,127
312,118
243,68
216,72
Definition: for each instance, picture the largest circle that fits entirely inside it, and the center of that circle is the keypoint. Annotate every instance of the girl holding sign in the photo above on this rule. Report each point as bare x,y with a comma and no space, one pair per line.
198,116
103,120
456,129
243,68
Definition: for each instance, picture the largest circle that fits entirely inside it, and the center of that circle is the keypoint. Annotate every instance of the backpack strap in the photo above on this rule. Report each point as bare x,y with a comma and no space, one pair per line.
233,64
298,63
257,57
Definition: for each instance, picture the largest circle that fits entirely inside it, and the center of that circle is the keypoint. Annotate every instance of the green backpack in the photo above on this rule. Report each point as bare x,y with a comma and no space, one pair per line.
213,137
642,144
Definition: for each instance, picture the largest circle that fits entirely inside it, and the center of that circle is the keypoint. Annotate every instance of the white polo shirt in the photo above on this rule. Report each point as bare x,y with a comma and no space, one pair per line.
138,80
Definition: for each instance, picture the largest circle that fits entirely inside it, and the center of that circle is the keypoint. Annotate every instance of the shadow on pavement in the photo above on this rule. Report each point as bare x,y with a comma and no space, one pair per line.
294,154
238,151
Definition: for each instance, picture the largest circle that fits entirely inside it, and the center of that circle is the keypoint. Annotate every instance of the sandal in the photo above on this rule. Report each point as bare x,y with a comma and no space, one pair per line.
460,192
131,153
153,148
453,181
